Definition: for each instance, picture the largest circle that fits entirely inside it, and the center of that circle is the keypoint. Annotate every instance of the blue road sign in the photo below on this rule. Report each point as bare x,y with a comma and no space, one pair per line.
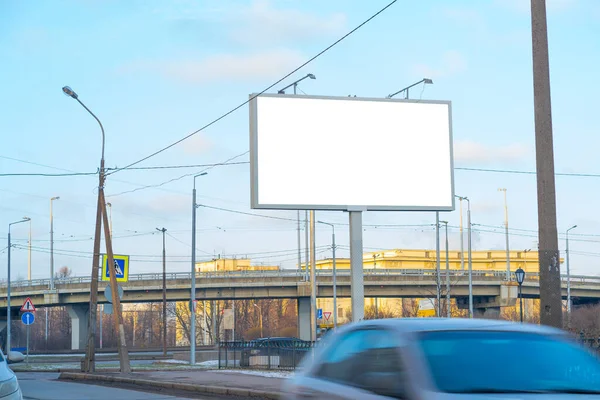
27,318
319,313
121,267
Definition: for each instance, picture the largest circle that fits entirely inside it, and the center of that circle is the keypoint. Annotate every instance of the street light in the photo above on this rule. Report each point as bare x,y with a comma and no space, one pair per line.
29,254
520,276
470,261
8,322
260,319
425,81
295,84
193,289
90,355
506,234
334,272
569,280
52,243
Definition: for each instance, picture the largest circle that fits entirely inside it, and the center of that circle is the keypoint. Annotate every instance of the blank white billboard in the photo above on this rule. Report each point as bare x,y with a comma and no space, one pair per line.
349,153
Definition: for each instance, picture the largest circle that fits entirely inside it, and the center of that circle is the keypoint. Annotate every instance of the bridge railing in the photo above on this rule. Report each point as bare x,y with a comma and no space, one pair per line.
295,273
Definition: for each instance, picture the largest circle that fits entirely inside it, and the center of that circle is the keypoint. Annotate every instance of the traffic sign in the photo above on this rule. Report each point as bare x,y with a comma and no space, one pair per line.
28,318
28,306
108,293
327,314
121,266
319,313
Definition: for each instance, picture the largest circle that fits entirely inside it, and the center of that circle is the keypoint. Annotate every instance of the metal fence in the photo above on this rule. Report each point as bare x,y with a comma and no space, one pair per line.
264,354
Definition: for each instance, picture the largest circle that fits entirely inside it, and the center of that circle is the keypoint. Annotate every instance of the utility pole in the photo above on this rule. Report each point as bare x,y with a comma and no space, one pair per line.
506,234
29,255
313,278
164,292
52,244
448,309
437,265
101,219
569,280
549,256
193,276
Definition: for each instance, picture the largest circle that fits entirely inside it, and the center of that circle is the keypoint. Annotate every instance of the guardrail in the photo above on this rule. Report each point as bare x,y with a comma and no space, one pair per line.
275,353
299,274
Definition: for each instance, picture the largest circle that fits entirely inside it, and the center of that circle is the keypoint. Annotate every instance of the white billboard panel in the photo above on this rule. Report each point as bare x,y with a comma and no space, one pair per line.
343,153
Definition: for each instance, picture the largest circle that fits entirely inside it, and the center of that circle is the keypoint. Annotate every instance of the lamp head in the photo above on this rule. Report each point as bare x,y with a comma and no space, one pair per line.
69,92
311,76
520,276
427,81
281,92
55,198
26,219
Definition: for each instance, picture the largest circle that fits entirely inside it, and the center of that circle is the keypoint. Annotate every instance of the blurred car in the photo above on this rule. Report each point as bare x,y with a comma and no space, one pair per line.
433,358
9,384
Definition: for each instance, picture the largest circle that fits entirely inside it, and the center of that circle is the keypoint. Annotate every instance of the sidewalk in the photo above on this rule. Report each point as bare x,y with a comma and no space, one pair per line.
227,382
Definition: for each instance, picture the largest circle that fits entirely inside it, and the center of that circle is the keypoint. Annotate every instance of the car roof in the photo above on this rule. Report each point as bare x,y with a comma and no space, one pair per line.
444,324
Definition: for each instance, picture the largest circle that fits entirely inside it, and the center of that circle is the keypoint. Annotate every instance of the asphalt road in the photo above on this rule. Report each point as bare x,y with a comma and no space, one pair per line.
45,386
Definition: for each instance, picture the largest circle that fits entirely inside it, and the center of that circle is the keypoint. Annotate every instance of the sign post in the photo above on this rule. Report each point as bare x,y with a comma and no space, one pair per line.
28,317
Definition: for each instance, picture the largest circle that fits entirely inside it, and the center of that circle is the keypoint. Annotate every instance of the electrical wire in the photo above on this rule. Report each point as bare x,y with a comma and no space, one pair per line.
50,175
505,171
261,92
179,177
182,166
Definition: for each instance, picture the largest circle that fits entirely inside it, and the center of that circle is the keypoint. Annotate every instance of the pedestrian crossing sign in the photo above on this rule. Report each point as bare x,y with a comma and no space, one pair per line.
121,266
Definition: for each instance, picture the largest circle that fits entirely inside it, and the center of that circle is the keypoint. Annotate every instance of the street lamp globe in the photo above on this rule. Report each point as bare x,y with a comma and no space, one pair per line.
520,276
69,92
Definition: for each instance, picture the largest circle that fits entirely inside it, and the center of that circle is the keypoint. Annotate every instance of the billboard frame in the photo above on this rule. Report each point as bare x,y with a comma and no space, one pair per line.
254,183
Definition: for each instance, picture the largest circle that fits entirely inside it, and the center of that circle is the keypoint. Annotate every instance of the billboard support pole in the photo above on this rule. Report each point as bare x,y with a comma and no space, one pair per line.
313,278
357,288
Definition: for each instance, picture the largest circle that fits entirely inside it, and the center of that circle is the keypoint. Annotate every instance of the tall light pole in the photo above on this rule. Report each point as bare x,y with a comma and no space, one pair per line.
164,291
549,256
260,318
448,309
425,81
101,218
470,260
506,234
193,288
462,237
569,280
334,272
29,254
306,275
8,321
52,243
437,265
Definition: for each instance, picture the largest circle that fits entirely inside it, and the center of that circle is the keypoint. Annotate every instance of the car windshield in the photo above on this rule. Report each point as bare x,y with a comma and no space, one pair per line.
497,362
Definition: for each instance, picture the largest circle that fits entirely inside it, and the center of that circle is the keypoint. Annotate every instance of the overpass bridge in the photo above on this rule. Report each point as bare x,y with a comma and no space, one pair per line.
490,290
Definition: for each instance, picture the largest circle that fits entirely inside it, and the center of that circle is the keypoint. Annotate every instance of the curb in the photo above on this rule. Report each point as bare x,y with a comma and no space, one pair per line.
218,390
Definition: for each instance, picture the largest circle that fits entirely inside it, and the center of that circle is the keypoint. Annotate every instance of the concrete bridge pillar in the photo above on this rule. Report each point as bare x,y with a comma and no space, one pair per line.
79,325
304,318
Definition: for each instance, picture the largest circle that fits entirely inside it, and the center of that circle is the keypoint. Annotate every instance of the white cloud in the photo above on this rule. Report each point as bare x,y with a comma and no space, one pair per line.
261,24
234,67
452,63
197,144
469,152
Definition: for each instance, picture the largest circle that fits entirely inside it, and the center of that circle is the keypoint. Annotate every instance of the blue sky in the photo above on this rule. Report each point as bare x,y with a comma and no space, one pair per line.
154,71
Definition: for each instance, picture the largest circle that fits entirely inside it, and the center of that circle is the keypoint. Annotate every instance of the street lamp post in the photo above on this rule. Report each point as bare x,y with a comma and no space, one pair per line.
306,227
506,234
101,217
448,308
520,276
260,318
470,261
425,81
164,291
334,272
8,321
569,280
52,243
193,288
29,254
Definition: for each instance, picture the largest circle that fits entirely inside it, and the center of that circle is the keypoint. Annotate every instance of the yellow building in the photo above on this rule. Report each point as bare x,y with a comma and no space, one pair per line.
486,260
232,264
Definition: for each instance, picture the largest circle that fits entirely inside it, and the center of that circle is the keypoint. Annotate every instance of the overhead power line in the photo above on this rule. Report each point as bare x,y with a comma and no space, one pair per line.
261,92
51,175
181,166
